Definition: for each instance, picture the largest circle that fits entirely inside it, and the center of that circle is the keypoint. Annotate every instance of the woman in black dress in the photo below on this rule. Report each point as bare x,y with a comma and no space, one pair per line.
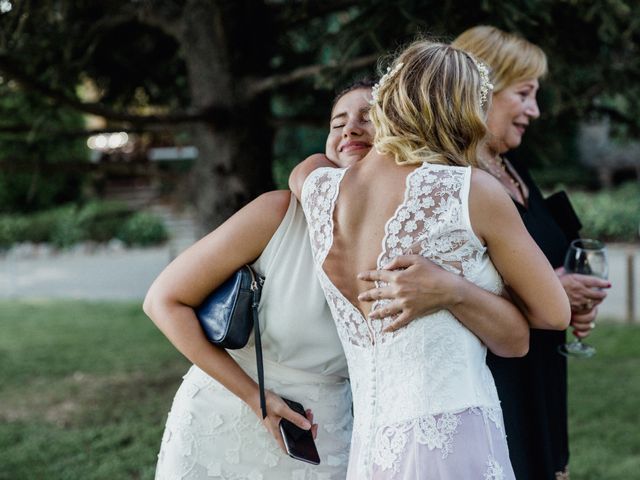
533,389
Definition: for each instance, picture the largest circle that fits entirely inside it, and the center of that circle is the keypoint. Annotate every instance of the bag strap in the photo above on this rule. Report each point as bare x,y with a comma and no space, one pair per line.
258,342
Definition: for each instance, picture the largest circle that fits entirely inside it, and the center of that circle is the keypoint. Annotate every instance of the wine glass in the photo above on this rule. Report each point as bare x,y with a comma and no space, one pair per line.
587,257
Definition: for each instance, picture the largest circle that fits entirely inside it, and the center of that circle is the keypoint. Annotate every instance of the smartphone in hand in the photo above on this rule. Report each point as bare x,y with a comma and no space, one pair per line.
298,442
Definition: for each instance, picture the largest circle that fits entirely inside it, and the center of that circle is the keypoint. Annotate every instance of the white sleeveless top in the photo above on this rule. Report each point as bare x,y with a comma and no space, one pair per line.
211,433
415,386
296,327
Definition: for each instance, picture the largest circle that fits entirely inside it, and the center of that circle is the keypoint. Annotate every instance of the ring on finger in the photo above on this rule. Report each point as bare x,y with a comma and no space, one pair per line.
588,305
592,325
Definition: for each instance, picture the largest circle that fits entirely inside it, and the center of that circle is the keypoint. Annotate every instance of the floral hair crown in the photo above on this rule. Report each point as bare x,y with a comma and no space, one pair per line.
385,78
485,84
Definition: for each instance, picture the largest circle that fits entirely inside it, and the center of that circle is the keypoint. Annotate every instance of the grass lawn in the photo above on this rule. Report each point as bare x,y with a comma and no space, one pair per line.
604,406
85,388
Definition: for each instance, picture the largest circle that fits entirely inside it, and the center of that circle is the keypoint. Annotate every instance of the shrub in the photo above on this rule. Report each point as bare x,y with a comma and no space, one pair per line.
11,230
40,227
102,220
67,229
96,221
610,214
143,229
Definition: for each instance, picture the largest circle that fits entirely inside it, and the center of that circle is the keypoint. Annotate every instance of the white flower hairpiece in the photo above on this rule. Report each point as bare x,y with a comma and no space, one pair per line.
385,78
485,84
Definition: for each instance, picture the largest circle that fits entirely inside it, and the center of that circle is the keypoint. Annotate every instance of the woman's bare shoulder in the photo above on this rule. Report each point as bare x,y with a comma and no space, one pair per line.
487,190
490,206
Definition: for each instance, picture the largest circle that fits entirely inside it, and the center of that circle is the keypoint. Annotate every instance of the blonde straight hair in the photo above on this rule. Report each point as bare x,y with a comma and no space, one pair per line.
511,58
430,109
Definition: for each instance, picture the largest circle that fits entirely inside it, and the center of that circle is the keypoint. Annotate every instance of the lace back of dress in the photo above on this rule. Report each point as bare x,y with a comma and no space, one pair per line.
319,196
431,222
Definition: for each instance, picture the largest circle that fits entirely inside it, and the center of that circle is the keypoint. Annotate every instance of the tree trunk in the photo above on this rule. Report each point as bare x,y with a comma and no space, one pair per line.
234,162
233,167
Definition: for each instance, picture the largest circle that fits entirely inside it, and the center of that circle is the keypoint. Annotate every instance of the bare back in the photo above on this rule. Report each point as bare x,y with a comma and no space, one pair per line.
369,195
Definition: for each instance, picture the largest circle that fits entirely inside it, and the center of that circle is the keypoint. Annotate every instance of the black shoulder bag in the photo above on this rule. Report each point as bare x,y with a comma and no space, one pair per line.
230,312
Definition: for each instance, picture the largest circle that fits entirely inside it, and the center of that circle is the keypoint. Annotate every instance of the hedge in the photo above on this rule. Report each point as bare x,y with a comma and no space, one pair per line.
610,215
70,224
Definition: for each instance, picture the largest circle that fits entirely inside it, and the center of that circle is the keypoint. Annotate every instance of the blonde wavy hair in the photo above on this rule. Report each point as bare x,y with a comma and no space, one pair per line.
430,109
511,58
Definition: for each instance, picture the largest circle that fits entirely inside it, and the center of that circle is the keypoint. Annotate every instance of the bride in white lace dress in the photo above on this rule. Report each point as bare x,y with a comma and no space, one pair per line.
425,404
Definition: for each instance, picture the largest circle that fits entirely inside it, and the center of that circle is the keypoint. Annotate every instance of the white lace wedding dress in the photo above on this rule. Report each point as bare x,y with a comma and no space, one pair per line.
425,404
211,434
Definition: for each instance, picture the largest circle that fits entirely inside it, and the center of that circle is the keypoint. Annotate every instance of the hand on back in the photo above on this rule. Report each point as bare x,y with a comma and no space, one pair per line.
416,287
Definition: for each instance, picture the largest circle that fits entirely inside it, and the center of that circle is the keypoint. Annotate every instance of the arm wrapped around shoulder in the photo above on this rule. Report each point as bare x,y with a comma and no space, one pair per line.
300,173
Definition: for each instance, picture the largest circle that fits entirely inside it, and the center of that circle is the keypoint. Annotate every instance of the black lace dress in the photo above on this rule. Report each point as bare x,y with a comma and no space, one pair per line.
533,389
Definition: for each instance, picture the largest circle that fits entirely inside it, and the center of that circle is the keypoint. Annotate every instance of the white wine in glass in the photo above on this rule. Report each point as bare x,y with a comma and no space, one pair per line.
587,257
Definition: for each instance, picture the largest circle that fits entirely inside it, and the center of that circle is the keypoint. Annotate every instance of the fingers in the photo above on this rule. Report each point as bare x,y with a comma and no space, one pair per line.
391,308
595,295
275,431
584,305
403,261
583,324
581,333
376,276
375,294
583,320
397,263
581,307
590,281
277,407
402,321
586,293
405,318
314,426
295,418
583,299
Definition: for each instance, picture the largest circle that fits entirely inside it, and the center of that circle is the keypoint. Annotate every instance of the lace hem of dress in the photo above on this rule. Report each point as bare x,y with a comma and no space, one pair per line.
436,432
210,433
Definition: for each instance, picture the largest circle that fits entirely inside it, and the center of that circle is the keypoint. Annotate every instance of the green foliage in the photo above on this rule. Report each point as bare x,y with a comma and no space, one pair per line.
67,229
102,220
133,56
590,75
610,214
294,145
43,186
96,221
11,230
548,177
143,229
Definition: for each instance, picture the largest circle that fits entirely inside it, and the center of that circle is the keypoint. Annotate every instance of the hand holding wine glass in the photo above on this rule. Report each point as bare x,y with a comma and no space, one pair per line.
585,257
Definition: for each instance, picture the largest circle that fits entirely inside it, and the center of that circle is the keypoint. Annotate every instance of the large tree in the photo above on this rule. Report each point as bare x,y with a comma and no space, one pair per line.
231,72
